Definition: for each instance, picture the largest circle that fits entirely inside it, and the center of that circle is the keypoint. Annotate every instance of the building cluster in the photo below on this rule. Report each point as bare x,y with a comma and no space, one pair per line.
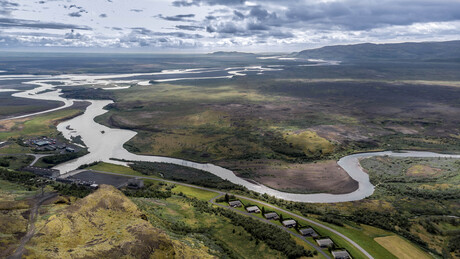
307,231
50,144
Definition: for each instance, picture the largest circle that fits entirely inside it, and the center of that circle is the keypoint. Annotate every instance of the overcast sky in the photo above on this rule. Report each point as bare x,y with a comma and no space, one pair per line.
210,25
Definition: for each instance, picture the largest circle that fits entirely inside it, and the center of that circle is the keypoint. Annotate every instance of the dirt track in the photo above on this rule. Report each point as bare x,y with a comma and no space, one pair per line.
31,228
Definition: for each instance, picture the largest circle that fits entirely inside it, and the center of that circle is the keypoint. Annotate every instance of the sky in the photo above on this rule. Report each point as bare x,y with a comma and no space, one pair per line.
229,25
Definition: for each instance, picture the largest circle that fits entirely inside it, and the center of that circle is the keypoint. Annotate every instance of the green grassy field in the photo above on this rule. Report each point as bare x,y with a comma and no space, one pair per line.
194,192
401,248
37,126
113,168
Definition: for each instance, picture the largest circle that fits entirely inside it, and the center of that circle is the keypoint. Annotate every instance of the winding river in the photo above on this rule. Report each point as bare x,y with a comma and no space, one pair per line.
109,144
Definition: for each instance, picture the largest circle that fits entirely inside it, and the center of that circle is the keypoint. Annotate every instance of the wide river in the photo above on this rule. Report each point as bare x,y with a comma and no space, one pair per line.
106,143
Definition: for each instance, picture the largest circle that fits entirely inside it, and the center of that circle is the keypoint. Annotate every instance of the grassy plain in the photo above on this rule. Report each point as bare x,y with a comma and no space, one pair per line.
401,248
42,125
14,106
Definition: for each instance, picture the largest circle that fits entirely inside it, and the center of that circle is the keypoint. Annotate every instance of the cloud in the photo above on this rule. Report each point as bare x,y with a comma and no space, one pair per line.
74,36
75,14
189,27
273,24
19,23
177,18
6,7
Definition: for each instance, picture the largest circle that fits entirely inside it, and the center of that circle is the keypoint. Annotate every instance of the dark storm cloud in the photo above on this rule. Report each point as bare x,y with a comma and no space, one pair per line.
6,7
177,18
347,14
189,27
362,15
18,23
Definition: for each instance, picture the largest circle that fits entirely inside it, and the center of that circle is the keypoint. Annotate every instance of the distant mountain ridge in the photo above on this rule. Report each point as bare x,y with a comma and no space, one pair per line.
426,51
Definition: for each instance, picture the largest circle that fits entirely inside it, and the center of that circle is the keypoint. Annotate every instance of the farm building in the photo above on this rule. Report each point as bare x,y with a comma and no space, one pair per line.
235,204
325,242
271,215
44,172
341,254
42,143
308,232
253,209
289,223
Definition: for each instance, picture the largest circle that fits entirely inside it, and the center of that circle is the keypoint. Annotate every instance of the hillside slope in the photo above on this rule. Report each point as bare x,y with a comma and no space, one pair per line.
105,224
432,51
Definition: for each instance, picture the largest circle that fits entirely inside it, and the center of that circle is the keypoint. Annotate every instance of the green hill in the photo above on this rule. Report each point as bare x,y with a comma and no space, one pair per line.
426,51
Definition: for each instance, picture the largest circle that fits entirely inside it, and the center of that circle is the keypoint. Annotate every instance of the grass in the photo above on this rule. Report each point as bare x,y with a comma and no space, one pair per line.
37,126
310,143
105,220
401,248
12,191
219,232
16,162
113,168
189,191
194,192
364,236
14,148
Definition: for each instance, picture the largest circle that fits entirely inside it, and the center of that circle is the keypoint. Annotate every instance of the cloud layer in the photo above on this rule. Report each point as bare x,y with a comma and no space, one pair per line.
205,25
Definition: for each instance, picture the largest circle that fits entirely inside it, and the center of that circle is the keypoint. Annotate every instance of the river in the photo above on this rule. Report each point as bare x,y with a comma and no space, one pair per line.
106,143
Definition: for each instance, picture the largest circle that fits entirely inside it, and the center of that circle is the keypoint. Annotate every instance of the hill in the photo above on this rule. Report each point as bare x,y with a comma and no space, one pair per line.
105,224
448,51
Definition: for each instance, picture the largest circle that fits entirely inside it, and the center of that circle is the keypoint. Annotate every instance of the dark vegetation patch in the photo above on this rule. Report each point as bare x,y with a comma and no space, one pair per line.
61,158
184,174
86,93
15,161
30,180
14,106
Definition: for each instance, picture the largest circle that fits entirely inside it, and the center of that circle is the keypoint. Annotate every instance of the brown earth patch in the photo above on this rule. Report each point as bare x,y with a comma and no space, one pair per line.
325,176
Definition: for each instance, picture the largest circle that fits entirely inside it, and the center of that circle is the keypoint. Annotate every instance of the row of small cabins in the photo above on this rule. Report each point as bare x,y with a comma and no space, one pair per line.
290,223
